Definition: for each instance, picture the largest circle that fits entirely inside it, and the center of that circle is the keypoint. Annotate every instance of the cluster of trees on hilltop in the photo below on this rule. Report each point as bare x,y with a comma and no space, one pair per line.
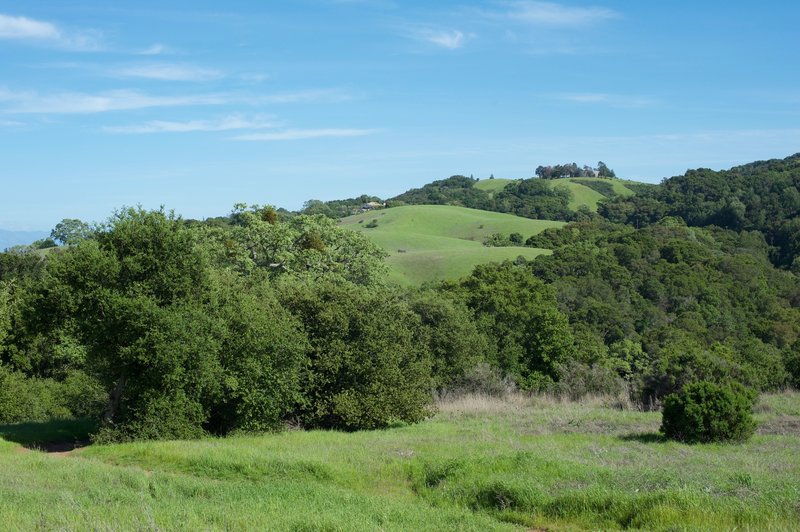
338,208
762,196
573,170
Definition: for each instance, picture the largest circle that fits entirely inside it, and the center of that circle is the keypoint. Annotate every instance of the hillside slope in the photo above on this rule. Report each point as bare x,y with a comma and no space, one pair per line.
435,242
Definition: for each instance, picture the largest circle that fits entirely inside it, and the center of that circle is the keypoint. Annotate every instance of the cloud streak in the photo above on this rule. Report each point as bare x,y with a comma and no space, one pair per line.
557,15
228,123
125,100
169,72
302,134
31,30
450,39
612,100
81,103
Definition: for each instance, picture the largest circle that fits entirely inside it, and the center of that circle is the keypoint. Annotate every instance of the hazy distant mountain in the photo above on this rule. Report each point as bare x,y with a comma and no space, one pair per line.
15,238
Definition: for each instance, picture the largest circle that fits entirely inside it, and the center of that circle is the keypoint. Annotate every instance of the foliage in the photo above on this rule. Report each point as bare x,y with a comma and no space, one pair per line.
456,190
482,379
336,209
534,198
366,368
760,196
38,399
451,335
70,231
573,170
704,412
668,304
312,246
520,314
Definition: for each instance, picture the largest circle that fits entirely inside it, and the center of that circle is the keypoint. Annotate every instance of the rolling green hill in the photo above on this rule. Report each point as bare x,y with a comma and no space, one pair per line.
435,242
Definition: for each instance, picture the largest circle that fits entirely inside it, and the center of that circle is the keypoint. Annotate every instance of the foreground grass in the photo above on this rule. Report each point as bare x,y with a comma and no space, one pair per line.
480,464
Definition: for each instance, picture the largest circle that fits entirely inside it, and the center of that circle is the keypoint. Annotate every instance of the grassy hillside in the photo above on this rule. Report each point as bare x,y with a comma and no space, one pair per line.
434,242
480,464
492,185
581,194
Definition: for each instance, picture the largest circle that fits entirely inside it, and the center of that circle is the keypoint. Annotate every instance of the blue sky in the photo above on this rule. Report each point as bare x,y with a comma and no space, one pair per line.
199,105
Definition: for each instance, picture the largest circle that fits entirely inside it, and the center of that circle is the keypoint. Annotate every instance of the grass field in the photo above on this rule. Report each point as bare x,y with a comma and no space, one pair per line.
581,194
492,185
435,242
479,464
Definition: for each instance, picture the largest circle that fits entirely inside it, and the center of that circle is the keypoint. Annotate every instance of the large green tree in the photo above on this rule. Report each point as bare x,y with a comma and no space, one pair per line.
520,313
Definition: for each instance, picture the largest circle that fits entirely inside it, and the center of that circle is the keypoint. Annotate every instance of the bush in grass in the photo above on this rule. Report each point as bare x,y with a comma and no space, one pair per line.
578,380
482,379
704,412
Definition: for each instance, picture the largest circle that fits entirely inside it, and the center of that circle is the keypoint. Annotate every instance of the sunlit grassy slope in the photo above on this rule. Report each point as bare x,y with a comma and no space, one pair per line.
480,464
492,185
435,242
581,194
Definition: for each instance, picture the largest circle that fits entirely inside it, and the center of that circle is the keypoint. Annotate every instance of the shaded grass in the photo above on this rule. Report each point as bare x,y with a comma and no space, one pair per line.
480,464
55,431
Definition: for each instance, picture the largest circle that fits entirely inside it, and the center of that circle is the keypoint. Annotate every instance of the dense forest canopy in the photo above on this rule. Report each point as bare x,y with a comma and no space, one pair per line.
763,196
166,328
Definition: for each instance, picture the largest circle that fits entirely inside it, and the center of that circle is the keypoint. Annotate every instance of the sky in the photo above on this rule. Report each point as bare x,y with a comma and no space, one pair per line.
198,105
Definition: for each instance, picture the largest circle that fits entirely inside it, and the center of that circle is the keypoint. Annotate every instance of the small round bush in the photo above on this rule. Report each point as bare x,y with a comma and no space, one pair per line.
704,412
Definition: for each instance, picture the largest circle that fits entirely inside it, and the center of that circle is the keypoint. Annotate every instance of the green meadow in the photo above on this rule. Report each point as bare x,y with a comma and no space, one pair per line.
436,242
481,463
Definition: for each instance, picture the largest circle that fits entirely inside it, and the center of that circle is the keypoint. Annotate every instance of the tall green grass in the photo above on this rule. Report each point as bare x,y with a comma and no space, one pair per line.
480,464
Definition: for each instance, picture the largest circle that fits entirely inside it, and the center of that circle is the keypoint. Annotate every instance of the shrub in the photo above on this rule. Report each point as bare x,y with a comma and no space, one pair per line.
704,412
482,379
578,380
365,367
24,399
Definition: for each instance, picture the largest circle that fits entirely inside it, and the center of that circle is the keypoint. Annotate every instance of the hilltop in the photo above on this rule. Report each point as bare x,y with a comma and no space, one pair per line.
435,242
564,199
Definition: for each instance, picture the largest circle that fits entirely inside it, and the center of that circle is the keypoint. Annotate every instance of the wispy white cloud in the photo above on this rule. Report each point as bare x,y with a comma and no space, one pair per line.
169,72
450,39
77,102
612,100
228,123
304,96
122,100
156,49
254,77
27,29
557,15
301,134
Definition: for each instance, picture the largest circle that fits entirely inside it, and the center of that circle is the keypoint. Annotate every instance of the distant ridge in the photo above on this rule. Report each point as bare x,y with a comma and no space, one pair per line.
15,238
